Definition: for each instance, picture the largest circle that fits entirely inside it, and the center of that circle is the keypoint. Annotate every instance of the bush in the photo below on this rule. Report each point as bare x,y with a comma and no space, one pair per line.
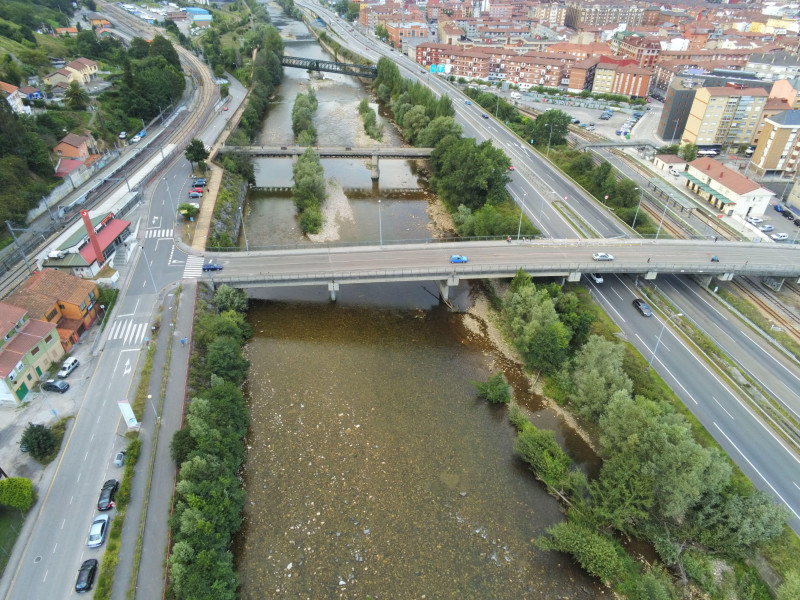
538,448
39,441
16,492
598,554
495,389
516,417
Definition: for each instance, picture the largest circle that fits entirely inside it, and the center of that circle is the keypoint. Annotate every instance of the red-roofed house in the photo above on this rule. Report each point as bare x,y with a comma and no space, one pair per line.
85,70
66,166
727,190
73,146
27,349
14,98
68,31
68,303
80,256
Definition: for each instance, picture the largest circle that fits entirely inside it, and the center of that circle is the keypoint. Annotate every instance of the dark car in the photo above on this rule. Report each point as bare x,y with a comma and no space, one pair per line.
212,267
86,576
106,500
642,307
55,385
199,181
458,258
485,116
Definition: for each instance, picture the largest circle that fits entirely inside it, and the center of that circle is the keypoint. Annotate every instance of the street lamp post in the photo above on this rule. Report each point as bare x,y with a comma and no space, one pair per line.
169,193
519,227
638,206
658,341
380,225
244,231
664,214
675,131
549,137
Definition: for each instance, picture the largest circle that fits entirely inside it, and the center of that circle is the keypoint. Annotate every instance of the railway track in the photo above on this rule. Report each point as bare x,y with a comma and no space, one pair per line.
770,306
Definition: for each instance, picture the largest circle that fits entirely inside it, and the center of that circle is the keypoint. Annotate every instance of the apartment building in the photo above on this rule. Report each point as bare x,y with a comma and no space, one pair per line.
724,116
774,66
644,50
609,75
778,149
733,58
399,32
602,12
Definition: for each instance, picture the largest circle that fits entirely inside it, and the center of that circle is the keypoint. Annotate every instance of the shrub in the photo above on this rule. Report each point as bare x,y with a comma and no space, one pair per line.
538,448
39,441
16,492
598,554
495,389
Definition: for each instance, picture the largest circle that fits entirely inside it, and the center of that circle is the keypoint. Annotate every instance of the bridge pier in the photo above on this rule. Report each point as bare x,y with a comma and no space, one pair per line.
774,283
333,287
573,277
444,287
375,174
650,275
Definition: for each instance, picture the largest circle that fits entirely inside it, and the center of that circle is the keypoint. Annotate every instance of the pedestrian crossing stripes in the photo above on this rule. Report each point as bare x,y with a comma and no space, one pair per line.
158,232
194,266
131,332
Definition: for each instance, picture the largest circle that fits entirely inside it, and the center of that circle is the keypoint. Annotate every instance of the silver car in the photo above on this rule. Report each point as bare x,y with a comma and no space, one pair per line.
602,256
97,533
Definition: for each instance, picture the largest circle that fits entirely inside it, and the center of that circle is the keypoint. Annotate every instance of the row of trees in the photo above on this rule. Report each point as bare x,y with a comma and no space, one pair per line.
657,482
305,105
370,120
308,192
210,451
470,178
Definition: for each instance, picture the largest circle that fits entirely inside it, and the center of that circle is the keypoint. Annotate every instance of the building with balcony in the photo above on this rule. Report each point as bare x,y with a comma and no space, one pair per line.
601,13
778,149
724,116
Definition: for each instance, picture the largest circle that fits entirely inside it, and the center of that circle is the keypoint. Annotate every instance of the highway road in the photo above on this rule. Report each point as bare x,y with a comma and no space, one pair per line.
752,445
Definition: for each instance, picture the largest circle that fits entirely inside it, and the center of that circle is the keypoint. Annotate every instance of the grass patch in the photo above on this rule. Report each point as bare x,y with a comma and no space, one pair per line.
140,399
11,521
783,553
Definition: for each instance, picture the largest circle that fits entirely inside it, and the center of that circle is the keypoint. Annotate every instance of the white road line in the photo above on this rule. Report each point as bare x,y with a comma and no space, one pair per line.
757,471
55,548
64,522
703,300
795,485
45,576
723,408
86,456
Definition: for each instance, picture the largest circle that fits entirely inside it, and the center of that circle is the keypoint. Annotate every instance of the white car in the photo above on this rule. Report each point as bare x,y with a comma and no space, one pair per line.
779,236
754,220
135,139
766,228
123,135
602,256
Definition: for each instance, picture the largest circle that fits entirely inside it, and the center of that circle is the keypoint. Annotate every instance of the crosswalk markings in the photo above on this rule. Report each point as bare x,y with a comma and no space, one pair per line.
130,331
158,232
194,266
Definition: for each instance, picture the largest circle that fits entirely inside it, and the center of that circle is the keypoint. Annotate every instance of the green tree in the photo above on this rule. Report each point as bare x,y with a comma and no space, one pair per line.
77,98
437,130
16,492
549,128
39,441
597,375
790,588
688,152
381,32
414,121
182,445
224,358
138,48
538,448
195,152
495,389
229,298
161,46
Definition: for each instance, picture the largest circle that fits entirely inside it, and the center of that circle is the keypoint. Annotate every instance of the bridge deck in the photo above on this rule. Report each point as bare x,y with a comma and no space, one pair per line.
333,151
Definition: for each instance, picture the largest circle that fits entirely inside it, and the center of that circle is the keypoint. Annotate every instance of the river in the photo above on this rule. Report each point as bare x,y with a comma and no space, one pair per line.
373,470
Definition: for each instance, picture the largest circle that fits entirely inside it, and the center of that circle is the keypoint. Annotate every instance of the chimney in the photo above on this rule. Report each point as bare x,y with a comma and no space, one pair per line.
98,251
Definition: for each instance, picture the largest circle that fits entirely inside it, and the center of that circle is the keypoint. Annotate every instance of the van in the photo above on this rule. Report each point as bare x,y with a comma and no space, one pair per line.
516,95
68,367
674,172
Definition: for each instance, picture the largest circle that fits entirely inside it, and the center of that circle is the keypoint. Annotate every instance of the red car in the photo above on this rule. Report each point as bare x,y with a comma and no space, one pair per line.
511,168
225,108
199,190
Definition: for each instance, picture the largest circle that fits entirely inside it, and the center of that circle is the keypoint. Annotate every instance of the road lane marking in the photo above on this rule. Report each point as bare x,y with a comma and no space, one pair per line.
702,299
85,456
757,471
55,548
64,522
45,575
797,486
723,408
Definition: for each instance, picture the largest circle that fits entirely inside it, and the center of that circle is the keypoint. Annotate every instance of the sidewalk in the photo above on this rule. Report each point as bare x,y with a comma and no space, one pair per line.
155,463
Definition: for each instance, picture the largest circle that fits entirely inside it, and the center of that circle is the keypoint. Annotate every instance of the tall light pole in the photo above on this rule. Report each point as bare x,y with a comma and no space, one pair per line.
675,131
519,228
658,341
664,214
549,137
169,193
638,206
244,231
380,224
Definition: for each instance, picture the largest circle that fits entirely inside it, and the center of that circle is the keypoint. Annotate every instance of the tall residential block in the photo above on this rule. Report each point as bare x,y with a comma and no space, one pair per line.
724,116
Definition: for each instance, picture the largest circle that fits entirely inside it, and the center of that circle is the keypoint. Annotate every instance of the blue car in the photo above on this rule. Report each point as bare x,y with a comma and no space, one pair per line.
457,258
212,267
467,102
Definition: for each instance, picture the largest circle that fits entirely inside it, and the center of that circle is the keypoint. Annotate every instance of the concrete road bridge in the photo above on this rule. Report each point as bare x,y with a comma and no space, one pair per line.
567,259
374,153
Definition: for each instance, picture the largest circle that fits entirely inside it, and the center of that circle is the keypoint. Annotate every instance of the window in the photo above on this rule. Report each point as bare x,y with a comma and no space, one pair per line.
83,306
48,339
51,315
62,307
34,350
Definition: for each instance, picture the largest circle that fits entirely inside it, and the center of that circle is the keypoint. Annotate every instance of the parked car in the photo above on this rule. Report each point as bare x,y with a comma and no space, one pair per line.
212,267
55,385
68,367
642,307
119,458
199,190
754,220
778,237
199,182
602,256
86,576
107,492
458,258
766,228
123,135
195,194
778,208
787,214
225,108
97,532
135,139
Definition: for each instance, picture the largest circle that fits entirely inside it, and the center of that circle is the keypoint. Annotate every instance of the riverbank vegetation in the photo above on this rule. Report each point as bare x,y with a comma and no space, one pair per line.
210,450
660,482
470,178
370,119
308,191
305,105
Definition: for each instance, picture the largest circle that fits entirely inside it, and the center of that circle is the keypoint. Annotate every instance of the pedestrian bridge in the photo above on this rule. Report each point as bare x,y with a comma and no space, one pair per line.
374,153
313,64
567,259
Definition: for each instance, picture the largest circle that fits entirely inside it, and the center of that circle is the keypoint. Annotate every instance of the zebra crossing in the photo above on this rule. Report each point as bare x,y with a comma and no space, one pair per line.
194,267
131,332
159,232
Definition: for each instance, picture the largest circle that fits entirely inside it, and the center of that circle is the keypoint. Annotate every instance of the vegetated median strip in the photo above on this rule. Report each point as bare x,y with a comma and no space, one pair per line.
578,223
783,424
137,553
